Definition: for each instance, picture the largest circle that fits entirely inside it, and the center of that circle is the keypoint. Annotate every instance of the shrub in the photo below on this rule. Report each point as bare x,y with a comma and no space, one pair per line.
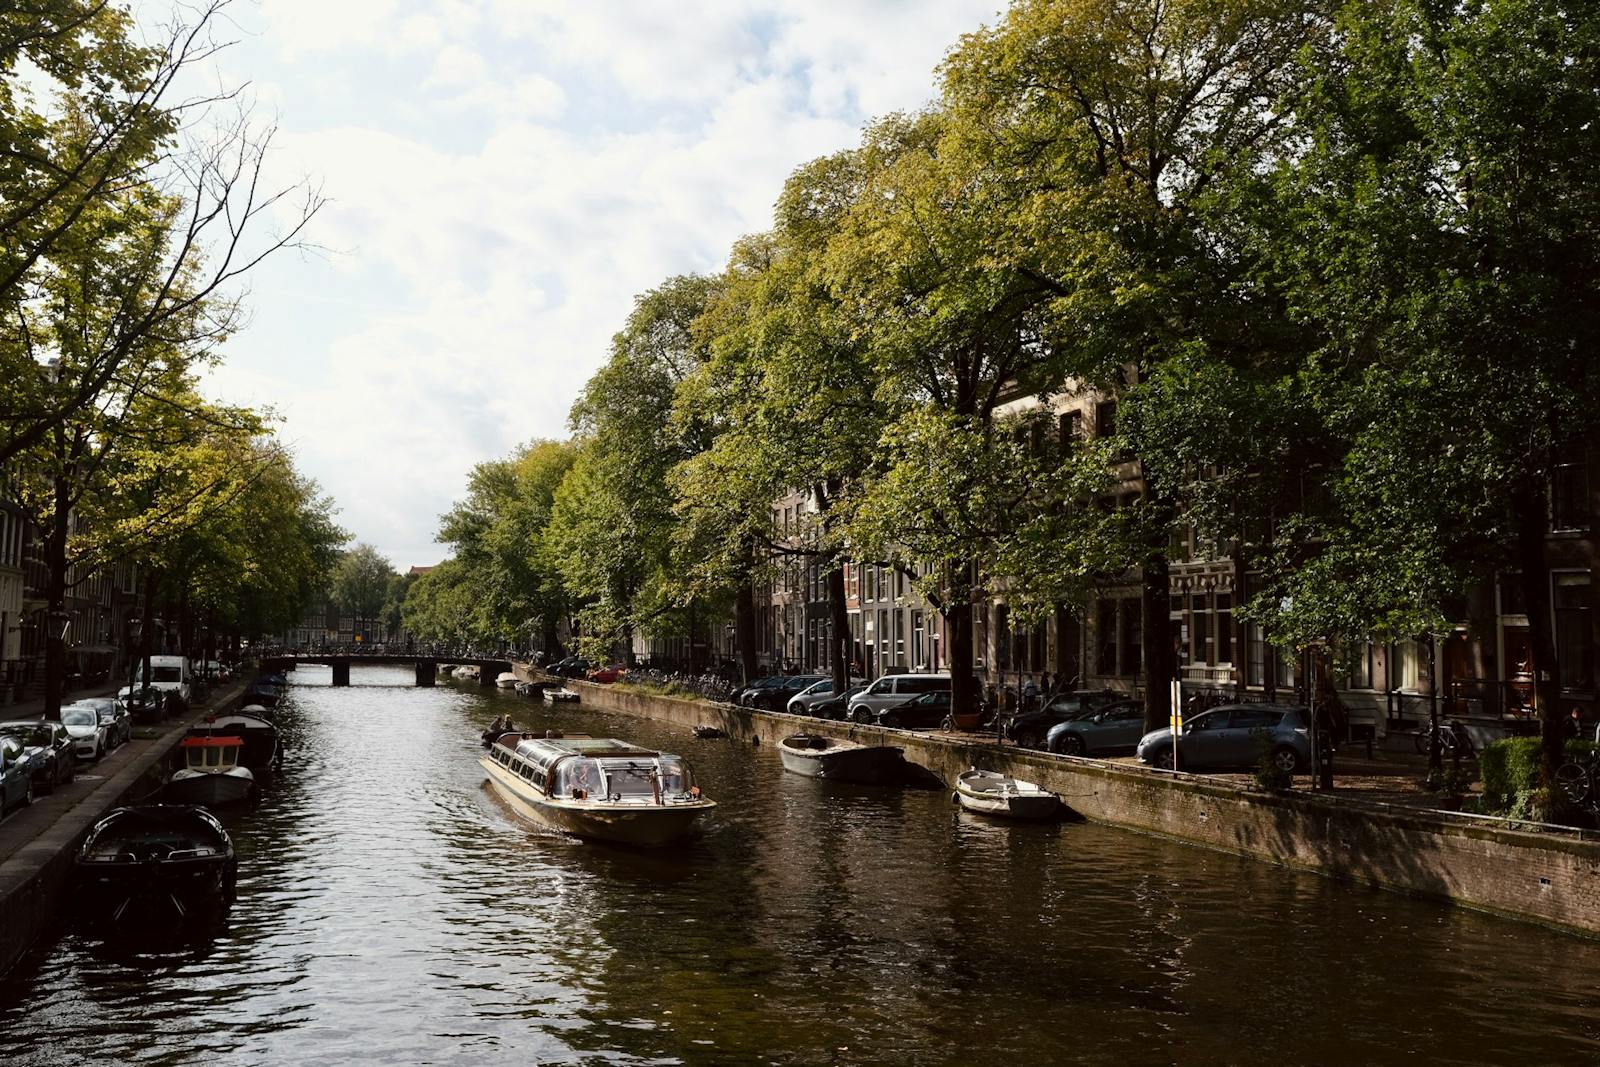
1510,770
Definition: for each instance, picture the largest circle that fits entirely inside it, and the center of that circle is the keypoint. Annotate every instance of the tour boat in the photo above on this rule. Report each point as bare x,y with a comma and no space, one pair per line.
211,774
597,787
991,793
506,680
258,736
816,756
161,860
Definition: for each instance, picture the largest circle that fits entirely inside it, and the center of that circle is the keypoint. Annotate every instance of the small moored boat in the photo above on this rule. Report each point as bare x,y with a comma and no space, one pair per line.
211,774
559,695
816,756
597,787
506,680
991,793
162,859
258,736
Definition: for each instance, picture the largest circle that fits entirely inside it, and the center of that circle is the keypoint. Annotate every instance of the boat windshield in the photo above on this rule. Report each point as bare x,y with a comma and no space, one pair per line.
578,778
631,778
676,777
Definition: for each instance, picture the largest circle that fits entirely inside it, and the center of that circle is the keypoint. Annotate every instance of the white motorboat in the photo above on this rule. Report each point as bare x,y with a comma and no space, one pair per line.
816,756
467,672
506,680
559,695
991,793
258,734
597,787
211,774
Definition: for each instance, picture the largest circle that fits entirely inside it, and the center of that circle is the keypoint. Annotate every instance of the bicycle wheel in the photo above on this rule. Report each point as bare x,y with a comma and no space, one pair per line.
1573,781
1420,739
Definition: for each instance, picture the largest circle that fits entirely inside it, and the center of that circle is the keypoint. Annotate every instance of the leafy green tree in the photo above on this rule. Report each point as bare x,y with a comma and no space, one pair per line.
1439,235
361,582
612,523
1106,130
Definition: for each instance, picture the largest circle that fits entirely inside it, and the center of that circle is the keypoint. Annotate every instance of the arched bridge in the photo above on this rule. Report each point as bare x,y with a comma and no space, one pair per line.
427,666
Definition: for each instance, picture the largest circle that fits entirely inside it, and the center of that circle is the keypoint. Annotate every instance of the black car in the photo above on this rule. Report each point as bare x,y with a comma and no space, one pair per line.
925,712
836,707
572,667
745,697
776,697
60,764
1029,728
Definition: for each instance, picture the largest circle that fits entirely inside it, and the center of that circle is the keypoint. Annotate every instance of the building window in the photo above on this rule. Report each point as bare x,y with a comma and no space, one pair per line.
1105,418
1225,629
1255,655
919,652
1408,664
1002,637
1132,637
1071,428
1178,617
1360,664
1200,632
1569,492
1283,661
1106,637
1574,638
899,637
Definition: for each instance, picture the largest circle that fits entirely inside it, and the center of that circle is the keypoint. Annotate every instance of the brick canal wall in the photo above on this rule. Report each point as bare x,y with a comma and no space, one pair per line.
36,878
1547,878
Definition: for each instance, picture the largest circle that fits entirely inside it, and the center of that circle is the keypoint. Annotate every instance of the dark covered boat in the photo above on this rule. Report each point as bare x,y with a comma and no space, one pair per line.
258,736
154,864
842,761
264,694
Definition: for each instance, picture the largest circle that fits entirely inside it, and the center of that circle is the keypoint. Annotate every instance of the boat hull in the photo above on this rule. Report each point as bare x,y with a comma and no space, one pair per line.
1008,805
644,826
209,789
864,765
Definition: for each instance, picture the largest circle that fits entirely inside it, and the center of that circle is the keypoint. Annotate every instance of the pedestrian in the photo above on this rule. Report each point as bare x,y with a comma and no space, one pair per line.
1574,723
1044,684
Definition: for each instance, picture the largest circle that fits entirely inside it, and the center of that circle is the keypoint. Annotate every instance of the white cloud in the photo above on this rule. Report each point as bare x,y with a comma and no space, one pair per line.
507,175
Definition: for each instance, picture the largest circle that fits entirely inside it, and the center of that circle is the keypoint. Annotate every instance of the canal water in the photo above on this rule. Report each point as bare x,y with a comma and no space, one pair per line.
392,910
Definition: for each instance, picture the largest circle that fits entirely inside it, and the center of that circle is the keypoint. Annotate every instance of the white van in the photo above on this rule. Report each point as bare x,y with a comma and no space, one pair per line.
171,673
891,690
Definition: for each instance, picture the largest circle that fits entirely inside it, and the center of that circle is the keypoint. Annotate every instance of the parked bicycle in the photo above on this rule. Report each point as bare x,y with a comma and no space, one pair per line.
1454,740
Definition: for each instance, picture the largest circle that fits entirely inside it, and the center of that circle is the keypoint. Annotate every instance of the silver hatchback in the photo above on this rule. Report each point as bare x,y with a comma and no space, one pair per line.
1234,737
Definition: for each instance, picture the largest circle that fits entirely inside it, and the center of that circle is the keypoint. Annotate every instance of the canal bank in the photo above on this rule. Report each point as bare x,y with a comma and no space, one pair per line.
37,844
1549,878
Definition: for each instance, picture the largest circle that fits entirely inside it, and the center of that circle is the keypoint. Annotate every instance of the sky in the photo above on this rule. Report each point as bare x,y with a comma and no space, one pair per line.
503,177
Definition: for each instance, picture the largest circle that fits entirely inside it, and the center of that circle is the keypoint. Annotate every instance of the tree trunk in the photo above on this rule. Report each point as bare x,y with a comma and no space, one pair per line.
964,694
1155,630
1529,504
148,630
55,646
839,623
744,630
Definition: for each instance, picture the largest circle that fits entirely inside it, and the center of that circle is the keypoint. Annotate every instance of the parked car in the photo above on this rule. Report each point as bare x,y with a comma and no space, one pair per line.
925,712
743,697
59,765
88,735
143,705
835,706
893,689
777,697
802,702
115,718
611,672
1112,730
572,667
1233,737
1029,728
17,769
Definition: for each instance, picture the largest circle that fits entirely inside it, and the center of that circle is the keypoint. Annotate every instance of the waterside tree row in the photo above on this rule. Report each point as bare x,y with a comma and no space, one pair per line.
1335,262
130,213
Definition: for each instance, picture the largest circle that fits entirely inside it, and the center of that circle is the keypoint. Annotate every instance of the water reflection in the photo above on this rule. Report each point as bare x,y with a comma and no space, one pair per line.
392,908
